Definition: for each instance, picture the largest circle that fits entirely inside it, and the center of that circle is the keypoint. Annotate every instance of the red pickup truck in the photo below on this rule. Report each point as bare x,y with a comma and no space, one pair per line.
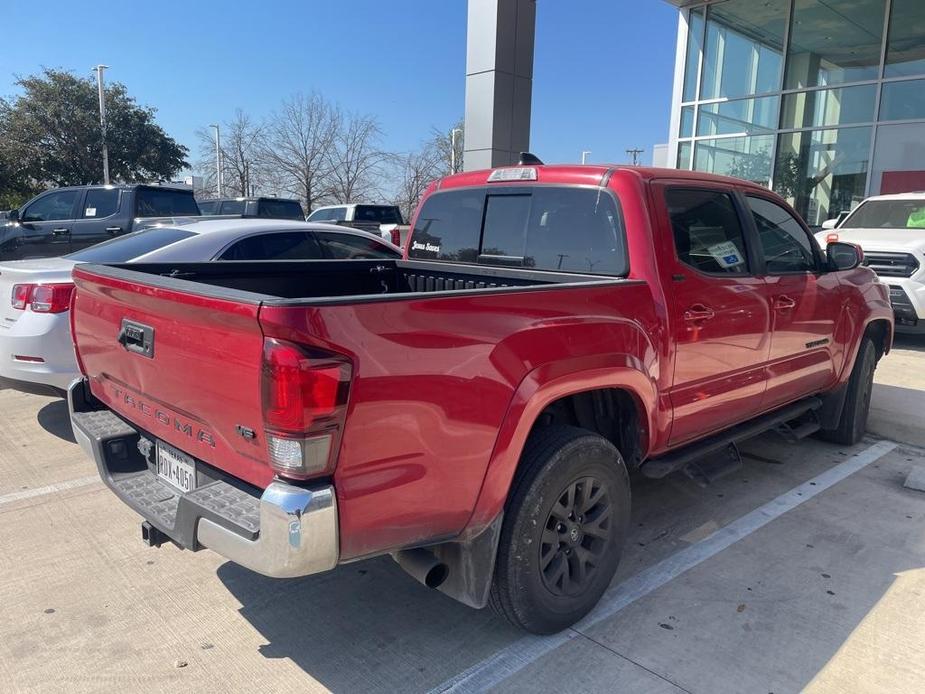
475,409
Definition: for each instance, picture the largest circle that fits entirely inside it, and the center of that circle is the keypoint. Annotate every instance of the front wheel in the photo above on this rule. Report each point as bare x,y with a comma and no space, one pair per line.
564,530
853,422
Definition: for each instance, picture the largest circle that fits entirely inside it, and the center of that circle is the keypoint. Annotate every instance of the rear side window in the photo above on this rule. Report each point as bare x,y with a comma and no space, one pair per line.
130,246
707,232
101,202
383,214
232,207
543,228
331,214
165,203
346,246
280,209
289,245
784,242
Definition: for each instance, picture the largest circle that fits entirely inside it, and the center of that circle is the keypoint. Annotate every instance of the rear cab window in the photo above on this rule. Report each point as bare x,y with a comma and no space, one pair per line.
555,228
383,214
164,202
280,209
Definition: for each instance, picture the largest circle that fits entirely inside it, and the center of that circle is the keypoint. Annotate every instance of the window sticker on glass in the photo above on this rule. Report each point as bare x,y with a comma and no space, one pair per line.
726,254
429,247
90,212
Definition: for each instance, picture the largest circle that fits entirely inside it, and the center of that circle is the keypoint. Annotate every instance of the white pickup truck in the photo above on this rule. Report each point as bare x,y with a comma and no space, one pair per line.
383,220
891,230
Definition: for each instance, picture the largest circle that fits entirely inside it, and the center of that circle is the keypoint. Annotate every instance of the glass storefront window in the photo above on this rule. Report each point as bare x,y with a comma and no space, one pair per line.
687,121
694,46
903,100
822,172
905,51
741,117
829,107
744,48
684,155
742,157
833,43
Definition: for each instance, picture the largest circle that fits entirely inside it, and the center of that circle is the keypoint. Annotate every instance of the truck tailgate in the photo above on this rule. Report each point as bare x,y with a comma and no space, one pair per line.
202,351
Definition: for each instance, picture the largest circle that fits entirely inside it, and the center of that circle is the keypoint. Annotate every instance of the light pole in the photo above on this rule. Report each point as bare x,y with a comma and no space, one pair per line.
584,156
453,149
218,158
99,83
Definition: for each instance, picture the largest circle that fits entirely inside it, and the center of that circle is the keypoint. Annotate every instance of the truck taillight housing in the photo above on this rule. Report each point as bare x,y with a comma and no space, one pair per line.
43,298
396,236
304,405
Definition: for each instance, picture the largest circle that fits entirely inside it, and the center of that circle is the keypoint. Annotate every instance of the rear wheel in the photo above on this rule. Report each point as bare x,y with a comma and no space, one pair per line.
853,422
563,531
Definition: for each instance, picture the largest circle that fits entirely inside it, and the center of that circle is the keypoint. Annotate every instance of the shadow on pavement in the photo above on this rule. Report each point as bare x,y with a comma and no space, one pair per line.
369,627
910,341
365,626
54,419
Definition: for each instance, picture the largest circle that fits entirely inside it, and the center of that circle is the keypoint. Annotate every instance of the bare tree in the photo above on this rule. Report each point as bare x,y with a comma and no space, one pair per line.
298,140
414,172
355,161
243,171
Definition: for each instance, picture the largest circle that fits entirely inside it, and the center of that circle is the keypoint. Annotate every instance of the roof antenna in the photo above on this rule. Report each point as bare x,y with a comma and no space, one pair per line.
528,159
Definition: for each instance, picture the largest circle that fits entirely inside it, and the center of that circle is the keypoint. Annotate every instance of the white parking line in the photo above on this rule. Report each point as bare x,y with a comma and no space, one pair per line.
514,657
50,489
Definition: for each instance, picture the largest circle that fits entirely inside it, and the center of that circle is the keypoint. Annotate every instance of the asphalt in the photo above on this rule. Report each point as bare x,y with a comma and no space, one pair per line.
805,570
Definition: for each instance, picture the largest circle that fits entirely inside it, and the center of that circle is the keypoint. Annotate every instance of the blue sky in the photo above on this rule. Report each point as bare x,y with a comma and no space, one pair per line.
602,76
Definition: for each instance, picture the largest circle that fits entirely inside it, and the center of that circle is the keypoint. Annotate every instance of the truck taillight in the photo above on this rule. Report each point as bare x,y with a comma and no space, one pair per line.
304,404
43,298
396,236
831,238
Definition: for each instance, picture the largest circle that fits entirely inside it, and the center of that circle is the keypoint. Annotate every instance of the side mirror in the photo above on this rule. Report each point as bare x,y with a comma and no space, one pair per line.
13,215
829,224
843,256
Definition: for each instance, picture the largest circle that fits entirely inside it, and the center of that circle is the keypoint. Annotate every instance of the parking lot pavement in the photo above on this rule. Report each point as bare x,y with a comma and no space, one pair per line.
815,580
898,401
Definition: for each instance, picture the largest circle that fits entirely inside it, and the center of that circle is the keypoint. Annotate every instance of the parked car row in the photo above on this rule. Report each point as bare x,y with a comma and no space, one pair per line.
35,340
64,220
474,407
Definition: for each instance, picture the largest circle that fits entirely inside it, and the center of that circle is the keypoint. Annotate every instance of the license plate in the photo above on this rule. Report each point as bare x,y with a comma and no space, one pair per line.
176,468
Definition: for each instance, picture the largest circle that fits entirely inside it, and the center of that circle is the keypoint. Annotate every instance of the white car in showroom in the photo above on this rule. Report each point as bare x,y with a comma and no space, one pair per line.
891,231
35,337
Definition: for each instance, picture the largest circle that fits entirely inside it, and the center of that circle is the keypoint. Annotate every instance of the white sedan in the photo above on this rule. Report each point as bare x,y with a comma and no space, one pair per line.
35,338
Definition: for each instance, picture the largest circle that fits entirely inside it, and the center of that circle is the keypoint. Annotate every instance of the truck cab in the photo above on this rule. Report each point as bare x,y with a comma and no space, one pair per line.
268,207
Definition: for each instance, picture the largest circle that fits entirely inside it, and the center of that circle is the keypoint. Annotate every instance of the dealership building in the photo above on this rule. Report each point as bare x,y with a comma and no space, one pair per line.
822,100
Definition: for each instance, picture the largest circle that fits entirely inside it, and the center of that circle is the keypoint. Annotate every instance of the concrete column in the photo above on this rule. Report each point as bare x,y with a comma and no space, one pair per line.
499,81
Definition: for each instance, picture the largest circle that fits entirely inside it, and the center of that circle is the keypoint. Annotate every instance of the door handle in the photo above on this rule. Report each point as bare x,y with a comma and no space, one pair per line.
698,312
113,230
59,232
784,303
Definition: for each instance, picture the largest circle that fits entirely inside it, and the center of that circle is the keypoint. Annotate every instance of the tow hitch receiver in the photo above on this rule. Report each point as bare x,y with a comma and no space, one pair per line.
151,536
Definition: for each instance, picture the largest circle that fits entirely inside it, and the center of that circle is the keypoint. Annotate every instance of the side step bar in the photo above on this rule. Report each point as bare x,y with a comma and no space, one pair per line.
676,460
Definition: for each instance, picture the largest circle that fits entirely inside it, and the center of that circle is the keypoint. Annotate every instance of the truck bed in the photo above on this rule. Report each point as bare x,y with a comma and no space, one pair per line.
438,352
319,282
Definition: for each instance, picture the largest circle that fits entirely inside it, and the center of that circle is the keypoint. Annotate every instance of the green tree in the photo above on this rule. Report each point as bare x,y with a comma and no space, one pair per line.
50,134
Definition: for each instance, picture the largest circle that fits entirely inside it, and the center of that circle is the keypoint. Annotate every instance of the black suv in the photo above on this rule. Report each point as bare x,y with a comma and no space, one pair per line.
63,220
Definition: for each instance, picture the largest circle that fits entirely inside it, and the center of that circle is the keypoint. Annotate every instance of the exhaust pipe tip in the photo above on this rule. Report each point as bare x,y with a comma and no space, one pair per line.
423,566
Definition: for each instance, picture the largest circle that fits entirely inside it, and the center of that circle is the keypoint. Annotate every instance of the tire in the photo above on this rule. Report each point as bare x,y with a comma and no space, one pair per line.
552,568
853,422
